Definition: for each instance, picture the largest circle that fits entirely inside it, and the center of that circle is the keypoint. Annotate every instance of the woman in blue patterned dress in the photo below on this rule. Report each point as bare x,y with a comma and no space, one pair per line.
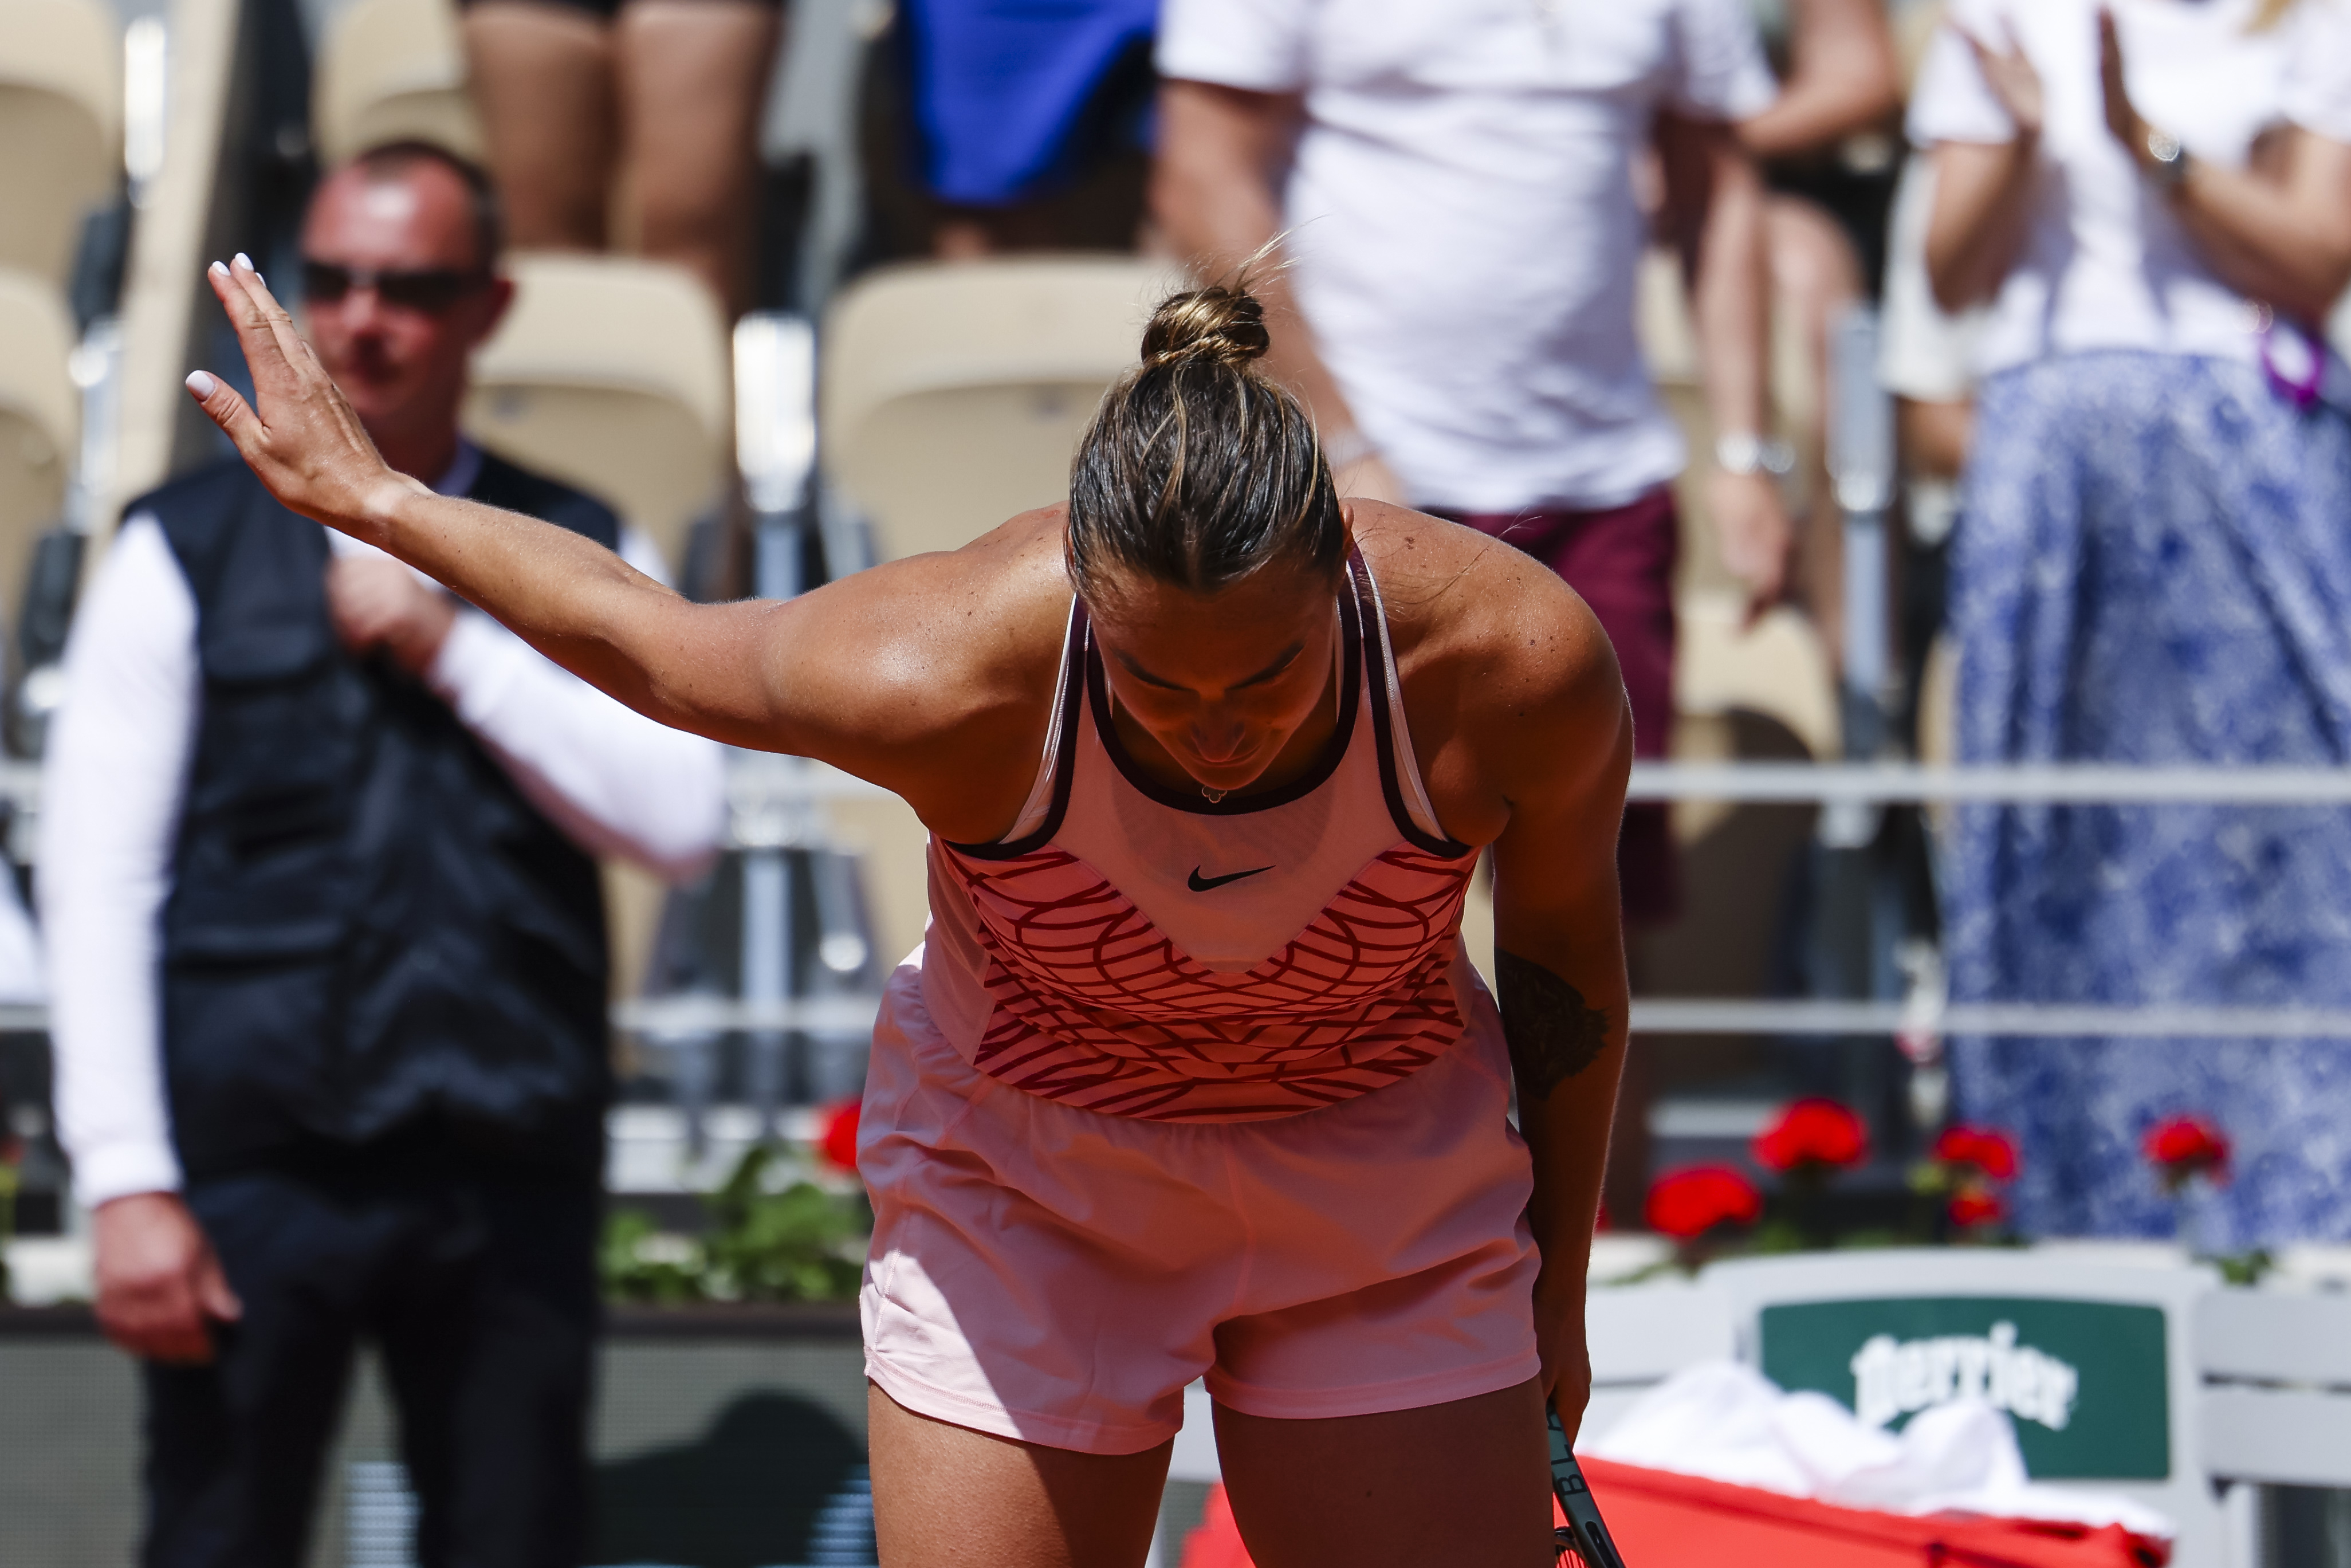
2154,567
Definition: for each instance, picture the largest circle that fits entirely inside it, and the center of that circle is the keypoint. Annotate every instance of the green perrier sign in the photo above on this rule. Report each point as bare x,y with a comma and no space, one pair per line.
2084,1381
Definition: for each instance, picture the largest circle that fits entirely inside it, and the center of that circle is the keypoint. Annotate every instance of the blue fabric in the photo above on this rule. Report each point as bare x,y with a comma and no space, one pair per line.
2154,567
1001,86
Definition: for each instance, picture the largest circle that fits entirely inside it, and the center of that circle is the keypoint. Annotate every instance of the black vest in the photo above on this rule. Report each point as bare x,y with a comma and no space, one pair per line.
372,940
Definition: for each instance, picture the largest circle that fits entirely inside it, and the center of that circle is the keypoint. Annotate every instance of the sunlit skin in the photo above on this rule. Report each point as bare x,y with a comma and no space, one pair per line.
1233,690
934,678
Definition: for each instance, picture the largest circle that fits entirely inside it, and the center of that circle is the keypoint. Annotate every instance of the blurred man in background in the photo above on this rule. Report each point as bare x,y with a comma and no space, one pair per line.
328,953
1458,187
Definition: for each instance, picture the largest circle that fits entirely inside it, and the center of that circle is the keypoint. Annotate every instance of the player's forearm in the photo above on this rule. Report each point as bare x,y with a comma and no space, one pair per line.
1567,1055
697,667
1567,1134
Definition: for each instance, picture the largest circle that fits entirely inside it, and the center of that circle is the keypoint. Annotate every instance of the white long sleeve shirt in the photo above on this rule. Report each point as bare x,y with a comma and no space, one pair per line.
115,778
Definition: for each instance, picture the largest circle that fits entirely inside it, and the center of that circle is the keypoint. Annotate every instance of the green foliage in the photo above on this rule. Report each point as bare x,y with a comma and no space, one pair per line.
796,1242
2245,1267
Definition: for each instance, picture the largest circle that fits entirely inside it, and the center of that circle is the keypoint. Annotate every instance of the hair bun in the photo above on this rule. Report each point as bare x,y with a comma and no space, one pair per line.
1219,324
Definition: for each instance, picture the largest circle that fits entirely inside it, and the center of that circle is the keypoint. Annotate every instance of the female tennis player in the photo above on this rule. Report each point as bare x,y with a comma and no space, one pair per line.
1190,1078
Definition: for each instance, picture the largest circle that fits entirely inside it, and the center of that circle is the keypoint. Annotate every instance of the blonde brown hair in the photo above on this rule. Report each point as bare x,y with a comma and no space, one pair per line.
1198,469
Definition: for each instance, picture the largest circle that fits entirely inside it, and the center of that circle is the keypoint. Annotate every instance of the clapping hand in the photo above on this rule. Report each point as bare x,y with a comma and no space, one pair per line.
2122,118
2010,75
300,437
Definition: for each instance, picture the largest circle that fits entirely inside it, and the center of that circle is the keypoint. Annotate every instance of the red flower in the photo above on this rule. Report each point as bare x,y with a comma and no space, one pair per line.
1973,1206
838,1142
1688,1204
2186,1145
1985,1148
1812,1132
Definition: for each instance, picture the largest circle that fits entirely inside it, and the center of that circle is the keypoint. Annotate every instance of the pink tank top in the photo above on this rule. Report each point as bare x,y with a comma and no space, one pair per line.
1143,951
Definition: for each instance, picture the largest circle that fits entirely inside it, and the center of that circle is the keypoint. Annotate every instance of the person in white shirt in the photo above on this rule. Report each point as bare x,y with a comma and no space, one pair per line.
1454,190
2152,567
326,947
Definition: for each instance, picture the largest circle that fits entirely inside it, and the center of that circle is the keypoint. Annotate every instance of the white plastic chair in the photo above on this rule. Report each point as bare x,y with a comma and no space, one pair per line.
394,70
40,421
954,395
61,121
612,374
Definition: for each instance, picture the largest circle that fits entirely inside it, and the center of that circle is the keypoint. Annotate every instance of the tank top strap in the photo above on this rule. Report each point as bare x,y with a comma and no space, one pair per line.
1049,796
1400,781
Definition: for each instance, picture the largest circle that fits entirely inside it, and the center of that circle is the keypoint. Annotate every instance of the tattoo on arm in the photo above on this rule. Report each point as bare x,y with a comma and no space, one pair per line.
1553,1032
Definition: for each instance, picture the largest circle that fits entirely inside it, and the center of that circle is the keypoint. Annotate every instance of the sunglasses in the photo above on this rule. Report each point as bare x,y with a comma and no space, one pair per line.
431,290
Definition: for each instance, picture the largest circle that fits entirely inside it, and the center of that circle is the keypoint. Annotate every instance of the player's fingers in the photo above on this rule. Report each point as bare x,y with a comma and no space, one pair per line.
262,356
274,316
231,412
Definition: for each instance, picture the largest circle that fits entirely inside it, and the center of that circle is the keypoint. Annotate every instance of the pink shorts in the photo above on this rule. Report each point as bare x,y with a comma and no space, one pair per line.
1058,1276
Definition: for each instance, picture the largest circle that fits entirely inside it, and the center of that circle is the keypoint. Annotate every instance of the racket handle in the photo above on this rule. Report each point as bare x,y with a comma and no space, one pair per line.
1587,1533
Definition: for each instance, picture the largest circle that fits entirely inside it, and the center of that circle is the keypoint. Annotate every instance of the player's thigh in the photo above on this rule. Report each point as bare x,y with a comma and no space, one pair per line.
946,1494
542,78
1467,1484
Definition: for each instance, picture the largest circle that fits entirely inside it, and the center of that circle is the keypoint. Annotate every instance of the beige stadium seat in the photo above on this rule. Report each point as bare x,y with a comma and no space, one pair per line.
60,125
394,70
40,421
954,395
611,374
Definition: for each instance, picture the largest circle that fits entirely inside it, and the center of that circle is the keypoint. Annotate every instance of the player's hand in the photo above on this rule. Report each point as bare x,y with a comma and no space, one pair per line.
379,604
1561,1344
160,1287
300,437
1759,542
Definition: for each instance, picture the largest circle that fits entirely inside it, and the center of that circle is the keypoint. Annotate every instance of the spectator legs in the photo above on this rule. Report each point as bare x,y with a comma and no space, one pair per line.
543,81
693,82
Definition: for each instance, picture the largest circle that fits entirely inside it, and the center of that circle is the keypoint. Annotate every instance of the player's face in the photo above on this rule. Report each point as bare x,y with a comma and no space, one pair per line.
1225,683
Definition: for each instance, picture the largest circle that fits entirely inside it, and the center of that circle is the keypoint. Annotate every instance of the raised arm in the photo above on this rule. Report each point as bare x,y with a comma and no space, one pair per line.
893,674
1564,738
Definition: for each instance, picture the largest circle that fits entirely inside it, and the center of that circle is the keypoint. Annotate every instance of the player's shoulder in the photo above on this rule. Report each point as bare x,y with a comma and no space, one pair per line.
964,636
1474,616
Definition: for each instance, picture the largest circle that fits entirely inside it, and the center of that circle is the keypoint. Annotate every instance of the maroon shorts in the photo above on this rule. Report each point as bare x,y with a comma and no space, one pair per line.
1621,559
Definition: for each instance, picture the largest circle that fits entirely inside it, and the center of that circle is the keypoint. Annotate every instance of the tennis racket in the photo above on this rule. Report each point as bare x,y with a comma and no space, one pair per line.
1585,1539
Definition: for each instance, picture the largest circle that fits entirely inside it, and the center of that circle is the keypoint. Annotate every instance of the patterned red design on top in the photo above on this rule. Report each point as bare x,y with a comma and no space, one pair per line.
1094,1005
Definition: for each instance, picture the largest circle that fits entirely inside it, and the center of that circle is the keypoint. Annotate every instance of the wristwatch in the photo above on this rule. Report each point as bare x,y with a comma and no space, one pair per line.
1742,451
2166,159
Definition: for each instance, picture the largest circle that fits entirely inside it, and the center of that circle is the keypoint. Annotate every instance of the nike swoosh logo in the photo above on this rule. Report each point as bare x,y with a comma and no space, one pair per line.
1200,884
